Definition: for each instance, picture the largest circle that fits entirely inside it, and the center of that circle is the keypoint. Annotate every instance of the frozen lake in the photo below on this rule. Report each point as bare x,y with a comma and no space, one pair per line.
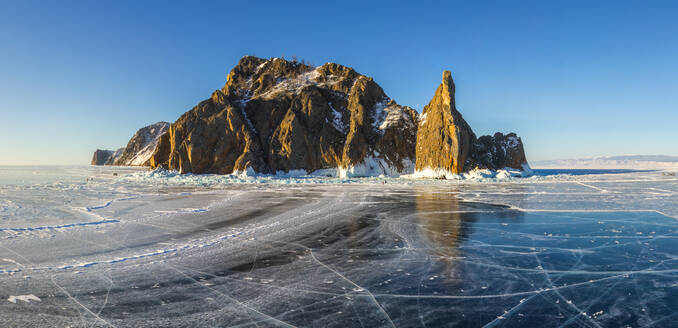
82,247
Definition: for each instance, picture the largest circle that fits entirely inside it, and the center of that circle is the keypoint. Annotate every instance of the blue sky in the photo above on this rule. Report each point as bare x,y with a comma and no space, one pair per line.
572,78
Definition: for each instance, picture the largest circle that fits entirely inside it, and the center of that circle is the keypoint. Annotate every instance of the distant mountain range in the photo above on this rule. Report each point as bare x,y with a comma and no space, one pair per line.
625,161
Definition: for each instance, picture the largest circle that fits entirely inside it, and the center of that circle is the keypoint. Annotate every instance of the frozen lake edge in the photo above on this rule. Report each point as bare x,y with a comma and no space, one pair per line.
583,250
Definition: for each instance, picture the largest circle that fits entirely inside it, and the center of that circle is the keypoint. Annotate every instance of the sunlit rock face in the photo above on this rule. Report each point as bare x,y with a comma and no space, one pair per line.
278,115
274,115
444,139
447,145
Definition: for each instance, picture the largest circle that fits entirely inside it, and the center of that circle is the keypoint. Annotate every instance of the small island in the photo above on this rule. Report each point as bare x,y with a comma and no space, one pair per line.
275,115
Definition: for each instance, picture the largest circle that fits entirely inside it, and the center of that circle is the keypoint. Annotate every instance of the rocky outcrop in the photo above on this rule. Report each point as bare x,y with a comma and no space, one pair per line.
138,150
114,159
498,152
274,115
277,115
101,157
447,145
444,139
107,157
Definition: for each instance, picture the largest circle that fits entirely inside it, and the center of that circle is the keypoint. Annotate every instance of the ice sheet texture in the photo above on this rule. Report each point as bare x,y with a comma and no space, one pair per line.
585,248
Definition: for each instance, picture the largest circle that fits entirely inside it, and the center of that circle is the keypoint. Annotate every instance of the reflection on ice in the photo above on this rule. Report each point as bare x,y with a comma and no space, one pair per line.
444,224
586,250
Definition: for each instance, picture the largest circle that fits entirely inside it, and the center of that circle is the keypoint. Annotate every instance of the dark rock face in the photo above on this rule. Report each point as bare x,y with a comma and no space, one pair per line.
444,139
276,115
498,152
101,156
138,150
399,139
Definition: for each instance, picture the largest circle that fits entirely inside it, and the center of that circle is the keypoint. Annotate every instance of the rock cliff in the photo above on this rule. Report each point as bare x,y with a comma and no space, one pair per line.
138,150
444,139
277,115
274,115
447,145
497,152
101,157
142,145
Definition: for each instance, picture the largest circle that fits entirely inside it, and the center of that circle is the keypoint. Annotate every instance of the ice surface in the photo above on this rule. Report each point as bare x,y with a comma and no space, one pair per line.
80,246
619,162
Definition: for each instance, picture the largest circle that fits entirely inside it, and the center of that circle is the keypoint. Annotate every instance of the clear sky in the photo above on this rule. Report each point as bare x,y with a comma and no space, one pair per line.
572,78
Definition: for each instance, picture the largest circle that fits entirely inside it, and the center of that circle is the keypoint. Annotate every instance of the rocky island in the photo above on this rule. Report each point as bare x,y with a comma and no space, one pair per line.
277,115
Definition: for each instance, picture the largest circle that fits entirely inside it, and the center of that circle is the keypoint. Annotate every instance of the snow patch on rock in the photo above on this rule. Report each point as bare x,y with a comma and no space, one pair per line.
296,84
115,157
422,118
26,298
397,115
337,119
379,115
